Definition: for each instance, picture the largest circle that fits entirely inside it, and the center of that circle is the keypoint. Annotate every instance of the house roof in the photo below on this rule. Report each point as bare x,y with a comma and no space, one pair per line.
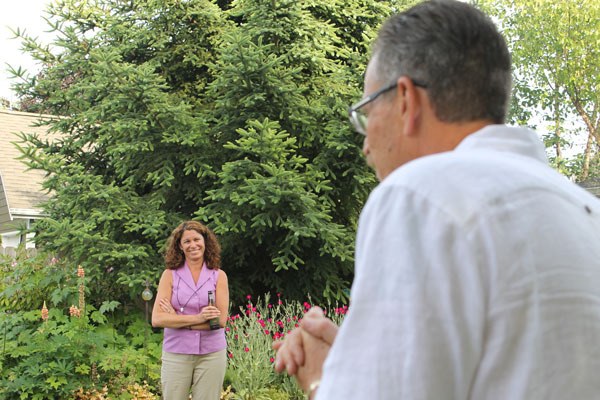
592,185
20,189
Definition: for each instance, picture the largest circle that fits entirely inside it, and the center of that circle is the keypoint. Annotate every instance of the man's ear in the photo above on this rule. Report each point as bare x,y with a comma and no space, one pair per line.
410,104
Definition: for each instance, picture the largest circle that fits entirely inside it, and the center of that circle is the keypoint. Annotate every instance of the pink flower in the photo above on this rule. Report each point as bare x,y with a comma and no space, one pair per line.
246,349
279,302
266,332
270,305
248,297
230,355
74,311
342,310
272,360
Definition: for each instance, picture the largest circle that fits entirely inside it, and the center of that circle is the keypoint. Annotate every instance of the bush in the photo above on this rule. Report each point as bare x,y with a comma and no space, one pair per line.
250,335
70,349
56,344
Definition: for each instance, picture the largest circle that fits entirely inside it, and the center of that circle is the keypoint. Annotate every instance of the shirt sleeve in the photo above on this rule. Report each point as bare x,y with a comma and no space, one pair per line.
416,320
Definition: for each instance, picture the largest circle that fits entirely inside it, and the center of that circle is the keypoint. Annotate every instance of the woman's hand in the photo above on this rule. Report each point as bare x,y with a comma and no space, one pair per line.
165,306
208,313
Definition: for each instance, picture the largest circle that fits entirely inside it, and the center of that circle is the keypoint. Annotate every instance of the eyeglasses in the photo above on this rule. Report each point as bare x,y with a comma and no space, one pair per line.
359,118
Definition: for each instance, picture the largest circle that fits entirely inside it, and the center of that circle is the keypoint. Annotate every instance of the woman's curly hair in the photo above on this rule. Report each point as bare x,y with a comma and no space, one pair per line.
174,257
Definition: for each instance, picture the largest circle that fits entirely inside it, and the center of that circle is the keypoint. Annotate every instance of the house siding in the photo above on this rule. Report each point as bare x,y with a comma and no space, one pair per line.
4,210
21,191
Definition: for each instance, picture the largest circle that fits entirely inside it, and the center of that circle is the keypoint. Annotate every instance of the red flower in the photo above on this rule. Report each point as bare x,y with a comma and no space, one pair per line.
272,360
246,349
230,355
266,332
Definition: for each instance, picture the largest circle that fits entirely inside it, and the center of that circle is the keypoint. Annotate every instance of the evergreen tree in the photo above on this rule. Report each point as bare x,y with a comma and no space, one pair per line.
291,187
126,79
232,112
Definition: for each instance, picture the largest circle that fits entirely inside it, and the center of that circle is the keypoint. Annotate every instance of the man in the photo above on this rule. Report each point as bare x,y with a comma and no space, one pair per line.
477,268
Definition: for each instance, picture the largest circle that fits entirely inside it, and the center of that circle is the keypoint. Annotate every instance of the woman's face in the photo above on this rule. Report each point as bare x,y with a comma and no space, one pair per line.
192,245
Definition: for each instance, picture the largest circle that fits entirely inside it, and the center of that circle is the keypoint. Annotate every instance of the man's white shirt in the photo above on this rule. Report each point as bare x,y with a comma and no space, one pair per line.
477,276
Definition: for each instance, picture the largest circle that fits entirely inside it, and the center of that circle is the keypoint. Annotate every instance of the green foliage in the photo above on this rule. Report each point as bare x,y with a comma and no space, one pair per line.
249,340
80,351
250,335
27,279
55,357
234,113
556,48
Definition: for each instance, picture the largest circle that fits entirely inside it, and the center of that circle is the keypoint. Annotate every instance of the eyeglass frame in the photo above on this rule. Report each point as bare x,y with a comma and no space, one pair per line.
353,110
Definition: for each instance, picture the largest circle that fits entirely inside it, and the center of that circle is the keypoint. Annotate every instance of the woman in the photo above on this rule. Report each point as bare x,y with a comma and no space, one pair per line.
194,356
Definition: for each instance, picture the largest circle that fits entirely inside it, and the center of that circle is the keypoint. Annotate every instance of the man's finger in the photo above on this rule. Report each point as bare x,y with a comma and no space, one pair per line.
316,324
290,354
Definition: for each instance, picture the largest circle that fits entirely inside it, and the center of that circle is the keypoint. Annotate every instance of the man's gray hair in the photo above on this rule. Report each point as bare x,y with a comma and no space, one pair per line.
456,51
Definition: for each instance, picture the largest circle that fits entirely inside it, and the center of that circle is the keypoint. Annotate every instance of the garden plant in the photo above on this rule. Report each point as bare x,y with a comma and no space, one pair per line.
58,343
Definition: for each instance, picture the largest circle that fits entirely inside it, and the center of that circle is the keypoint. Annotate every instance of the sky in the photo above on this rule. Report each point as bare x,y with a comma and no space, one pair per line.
23,14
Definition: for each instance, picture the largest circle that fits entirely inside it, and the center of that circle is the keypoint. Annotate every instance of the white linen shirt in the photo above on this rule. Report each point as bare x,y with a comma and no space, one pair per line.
477,276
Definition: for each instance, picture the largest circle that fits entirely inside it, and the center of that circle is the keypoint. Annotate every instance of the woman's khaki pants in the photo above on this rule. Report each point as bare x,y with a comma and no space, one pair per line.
202,374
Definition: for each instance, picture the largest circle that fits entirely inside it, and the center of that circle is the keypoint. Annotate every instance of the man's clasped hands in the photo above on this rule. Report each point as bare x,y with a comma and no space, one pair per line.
303,351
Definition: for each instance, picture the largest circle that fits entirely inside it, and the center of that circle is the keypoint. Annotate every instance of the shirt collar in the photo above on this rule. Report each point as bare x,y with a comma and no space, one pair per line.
517,140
